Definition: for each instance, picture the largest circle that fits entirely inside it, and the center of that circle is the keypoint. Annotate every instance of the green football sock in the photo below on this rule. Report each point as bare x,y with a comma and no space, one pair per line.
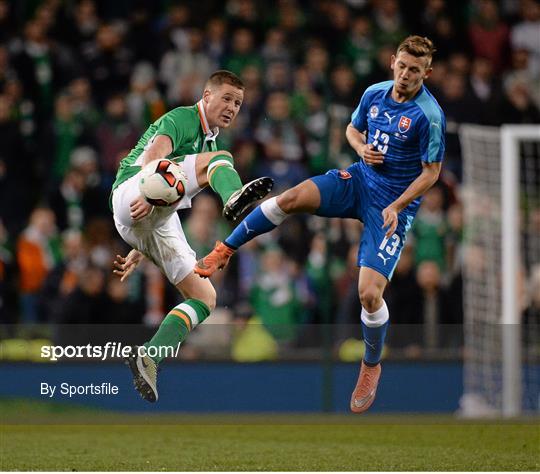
222,176
175,327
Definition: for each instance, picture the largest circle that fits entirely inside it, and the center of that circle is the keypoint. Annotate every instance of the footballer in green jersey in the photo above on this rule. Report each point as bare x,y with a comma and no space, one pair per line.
186,135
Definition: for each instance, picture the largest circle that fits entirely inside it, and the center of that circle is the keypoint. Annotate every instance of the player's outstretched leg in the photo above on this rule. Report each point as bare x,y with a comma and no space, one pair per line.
217,259
262,219
224,180
144,371
248,194
304,197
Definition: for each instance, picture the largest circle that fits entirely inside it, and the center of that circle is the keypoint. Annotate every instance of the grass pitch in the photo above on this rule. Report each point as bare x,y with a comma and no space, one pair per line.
87,441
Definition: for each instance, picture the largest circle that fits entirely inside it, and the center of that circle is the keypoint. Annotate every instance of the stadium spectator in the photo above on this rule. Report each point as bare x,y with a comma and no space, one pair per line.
524,34
460,106
486,88
189,64
359,47
108,62
115,135
274,298
84,107
279,134
82,26
66,200
430,228
59,139
489,35
275,48
389,25
87,303
521,70
142,36
7,26
37,252
144,102
243,52
317,62
204,225
64,276
215,41
518,105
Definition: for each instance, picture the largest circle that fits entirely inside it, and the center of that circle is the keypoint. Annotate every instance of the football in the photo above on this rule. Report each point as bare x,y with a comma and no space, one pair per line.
162,182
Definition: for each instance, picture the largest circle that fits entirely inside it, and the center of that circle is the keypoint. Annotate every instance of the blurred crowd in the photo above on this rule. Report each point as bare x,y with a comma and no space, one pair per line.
81,80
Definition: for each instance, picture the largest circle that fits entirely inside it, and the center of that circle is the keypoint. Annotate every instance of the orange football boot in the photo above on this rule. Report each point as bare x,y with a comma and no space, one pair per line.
215,260
366,388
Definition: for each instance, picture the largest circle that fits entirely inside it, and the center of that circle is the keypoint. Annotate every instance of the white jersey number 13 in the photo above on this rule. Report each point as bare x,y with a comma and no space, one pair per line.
381,137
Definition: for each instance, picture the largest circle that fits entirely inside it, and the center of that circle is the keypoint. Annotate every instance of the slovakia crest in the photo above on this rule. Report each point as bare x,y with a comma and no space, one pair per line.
404,124
344,174
373,111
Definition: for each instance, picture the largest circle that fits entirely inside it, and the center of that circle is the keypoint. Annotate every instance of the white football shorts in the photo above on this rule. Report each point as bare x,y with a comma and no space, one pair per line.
159,235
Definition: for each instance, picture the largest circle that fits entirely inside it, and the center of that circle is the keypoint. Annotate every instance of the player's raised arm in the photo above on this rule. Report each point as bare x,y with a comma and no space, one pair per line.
366,151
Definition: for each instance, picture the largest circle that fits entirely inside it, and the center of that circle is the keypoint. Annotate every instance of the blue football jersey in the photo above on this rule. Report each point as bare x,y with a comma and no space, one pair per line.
407,133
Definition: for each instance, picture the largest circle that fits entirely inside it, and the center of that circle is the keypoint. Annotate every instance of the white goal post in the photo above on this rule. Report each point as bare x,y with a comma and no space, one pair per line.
497,198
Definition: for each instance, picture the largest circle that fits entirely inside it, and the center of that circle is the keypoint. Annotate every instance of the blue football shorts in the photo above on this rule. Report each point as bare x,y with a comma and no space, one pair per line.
344,193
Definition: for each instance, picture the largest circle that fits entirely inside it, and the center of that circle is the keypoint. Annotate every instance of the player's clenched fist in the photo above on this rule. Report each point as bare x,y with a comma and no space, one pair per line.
371,156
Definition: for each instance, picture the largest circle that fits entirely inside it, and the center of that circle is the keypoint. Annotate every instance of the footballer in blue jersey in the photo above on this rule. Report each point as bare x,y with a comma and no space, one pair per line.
405,137
398,132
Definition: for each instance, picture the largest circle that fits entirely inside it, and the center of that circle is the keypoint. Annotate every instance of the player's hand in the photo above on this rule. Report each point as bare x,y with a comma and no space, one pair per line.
390,220
124,266
139,208
371,156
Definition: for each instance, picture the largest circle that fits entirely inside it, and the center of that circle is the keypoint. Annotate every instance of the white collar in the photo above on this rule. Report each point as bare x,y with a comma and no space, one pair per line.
211,134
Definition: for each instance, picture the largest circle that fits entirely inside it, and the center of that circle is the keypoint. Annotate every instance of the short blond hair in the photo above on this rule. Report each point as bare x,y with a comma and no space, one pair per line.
222,76
419,47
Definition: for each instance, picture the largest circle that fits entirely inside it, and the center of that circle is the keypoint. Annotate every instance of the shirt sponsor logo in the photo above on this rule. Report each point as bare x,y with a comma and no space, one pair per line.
400,137
404,124
373,111
344,174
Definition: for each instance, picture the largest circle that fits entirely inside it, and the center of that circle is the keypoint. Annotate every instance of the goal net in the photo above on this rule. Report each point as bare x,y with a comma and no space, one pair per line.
501,271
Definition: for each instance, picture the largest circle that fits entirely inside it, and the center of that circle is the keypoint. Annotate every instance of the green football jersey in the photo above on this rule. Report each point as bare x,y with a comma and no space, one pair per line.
188,130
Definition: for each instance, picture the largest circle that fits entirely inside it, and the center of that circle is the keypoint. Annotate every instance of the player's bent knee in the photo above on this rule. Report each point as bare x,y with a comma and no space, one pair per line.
207,295
289,201
371,298
211,299
222,152
194,287
286,200
302,198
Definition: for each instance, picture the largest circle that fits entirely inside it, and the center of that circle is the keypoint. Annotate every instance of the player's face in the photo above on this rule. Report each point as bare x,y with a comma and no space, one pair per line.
222,105
409,73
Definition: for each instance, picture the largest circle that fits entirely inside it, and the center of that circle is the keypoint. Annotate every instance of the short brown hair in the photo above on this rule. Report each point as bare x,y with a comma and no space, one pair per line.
418,46
222,76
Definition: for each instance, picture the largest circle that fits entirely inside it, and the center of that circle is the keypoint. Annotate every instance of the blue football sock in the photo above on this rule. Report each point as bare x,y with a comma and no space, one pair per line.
256,223
374,341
